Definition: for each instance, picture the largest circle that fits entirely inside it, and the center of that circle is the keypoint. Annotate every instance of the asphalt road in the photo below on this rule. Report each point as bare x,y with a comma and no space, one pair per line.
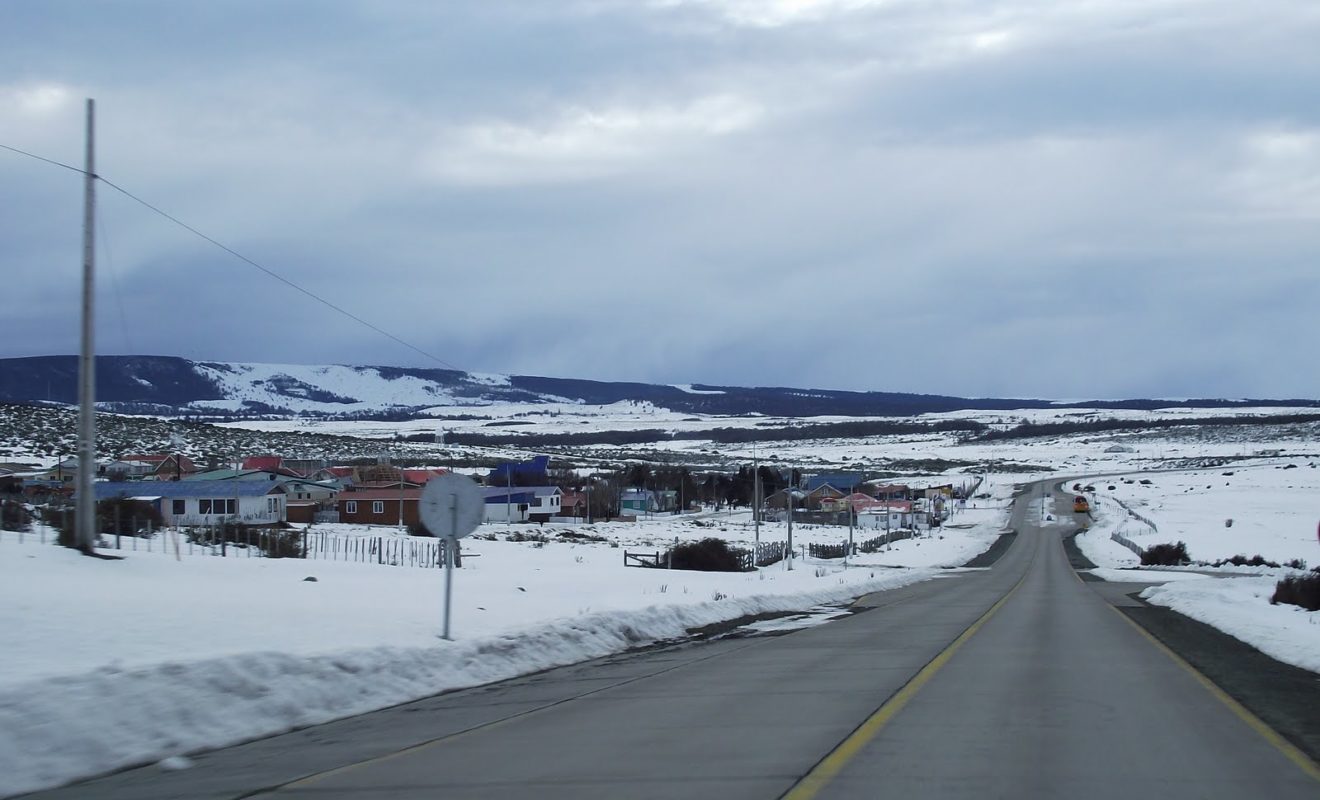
1015,681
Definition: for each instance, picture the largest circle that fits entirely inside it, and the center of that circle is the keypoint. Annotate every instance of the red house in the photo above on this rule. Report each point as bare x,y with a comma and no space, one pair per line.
379,506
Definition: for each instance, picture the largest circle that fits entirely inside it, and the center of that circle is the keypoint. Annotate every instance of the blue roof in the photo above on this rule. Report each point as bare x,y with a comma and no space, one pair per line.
519,494
839,480
110,489
537,465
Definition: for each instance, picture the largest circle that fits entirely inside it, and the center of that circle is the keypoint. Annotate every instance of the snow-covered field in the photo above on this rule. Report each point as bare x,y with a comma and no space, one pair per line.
1274,511
113,663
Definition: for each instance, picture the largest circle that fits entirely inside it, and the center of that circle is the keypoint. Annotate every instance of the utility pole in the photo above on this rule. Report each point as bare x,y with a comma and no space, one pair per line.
851,516
756,495
85,513
788,503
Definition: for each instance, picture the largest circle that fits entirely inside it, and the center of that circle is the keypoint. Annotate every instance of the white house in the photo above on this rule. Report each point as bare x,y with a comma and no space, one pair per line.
522,503
204,502
885,518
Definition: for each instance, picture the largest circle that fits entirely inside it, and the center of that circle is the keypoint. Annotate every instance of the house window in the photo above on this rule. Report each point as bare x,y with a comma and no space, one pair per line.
350,506
179,507
216,506
378,506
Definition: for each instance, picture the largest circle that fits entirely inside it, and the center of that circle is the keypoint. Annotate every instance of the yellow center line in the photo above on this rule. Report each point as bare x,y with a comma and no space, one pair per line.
831,765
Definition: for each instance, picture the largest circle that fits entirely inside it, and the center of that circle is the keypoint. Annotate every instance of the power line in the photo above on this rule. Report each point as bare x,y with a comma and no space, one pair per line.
271,273
47,160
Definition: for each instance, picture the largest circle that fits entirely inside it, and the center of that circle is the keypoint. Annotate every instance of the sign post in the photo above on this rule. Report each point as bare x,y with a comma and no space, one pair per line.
451,507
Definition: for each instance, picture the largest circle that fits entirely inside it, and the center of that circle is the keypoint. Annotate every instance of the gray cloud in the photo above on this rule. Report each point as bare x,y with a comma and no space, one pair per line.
1019,198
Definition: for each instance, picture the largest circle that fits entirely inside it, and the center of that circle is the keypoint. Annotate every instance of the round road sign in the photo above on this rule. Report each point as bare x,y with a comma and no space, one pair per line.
452,506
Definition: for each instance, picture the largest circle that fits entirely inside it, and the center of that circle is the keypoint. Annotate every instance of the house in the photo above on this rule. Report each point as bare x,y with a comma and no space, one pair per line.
203,502
573,504
272,463
780,498
302,467
126,470
301,489
243,475
165,466
861,502
522,503
641,500
855,501
526,472
843,482
64,472
547,502
892,491
825,495
380,506
342,475
887,517
421,476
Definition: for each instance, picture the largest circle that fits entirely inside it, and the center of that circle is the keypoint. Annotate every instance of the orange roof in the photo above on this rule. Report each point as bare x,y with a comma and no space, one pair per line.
422,475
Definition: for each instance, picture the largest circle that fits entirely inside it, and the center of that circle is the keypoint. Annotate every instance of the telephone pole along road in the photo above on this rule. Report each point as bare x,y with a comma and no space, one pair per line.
1019,680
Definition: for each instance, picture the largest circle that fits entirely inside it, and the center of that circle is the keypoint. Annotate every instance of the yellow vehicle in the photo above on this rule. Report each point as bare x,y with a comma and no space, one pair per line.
1080,506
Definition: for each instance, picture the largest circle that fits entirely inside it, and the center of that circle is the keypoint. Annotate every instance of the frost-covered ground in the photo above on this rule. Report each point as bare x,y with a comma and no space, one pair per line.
109,663
1274,511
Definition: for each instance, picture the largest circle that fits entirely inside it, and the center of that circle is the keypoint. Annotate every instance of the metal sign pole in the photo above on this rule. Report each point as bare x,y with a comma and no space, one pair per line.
450,545
452,507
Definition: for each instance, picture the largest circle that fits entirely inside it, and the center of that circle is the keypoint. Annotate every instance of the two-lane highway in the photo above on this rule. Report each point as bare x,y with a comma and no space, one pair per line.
1017,681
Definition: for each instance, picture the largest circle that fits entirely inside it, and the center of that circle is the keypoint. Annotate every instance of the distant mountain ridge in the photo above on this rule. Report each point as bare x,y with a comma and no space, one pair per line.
172,386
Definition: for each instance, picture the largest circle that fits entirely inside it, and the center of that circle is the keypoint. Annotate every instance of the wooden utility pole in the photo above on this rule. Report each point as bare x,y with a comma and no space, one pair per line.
85,513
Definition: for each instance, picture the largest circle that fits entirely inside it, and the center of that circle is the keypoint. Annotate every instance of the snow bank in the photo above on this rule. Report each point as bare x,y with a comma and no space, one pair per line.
1241,608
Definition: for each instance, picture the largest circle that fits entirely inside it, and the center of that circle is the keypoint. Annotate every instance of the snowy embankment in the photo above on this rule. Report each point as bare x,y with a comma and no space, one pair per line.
1274,514
114,663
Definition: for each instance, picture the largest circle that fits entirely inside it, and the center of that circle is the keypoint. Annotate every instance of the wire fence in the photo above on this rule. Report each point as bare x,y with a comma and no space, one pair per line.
1147,521
1119,535
1128,543
248,542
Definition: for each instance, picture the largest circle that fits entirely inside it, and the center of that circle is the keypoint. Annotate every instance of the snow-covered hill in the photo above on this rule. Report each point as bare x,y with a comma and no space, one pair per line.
170,386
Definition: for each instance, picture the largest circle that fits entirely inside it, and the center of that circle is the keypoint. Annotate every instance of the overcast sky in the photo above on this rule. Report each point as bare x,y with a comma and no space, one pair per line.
1100,199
